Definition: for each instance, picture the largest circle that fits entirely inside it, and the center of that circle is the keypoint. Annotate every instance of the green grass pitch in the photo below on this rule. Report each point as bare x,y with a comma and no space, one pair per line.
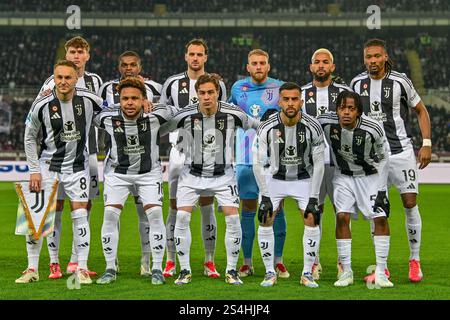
434,202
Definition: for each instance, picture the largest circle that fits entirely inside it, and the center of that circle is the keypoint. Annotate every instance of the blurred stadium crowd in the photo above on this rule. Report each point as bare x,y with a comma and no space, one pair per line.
216,6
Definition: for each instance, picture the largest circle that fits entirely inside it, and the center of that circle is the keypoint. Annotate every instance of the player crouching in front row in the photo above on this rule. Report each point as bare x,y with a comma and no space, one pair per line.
291,142
360,153
133,163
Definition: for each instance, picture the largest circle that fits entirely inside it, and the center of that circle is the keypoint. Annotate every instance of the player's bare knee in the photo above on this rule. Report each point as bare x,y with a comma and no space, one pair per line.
309,220
74,205
342,220
381,226
409,200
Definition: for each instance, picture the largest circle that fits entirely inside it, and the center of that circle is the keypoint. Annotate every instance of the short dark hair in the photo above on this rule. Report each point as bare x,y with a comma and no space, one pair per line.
344,95
375,42
130,53
290,86
66,63
197,42
214,78
132,82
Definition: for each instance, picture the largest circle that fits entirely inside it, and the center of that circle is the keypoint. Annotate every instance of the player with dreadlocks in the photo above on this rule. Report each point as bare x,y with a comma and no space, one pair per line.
386,96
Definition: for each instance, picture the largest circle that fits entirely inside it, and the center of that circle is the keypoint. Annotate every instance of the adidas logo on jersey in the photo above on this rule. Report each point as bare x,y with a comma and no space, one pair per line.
411,186
55,116
364,93
118,129
311,100
184,90
83,195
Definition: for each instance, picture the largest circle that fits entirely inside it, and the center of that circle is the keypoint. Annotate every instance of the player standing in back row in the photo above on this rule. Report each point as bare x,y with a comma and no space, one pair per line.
319,97
387,96
179,91
257,95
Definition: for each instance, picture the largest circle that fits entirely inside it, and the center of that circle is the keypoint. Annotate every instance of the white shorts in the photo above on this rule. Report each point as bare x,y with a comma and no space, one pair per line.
191,187
326,188
403,172
94,191
176,164
353,193
280,189
75,186
148,186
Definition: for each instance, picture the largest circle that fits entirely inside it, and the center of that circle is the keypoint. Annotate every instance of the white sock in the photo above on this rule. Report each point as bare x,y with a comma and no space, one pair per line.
414,230
317,260
81,236
183,239
157,235
144,233
170,229
233,239
33,252
381,252
53,240
110,236
74,256
311,240
209,231
266,242
344,249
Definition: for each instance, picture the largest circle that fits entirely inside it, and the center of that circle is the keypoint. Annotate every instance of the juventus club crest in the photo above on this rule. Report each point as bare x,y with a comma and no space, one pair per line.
79,109
269,94
358,140
221,124
143,126
301,136
334,96
387,92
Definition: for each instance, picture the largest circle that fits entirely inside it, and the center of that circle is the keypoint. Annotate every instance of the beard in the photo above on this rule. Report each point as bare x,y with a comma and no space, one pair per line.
291,115
323,78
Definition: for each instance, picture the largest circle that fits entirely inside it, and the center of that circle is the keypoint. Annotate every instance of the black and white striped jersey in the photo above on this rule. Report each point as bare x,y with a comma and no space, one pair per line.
317,101
321,100
110,96
65,129
134,143
208,141
289,150
90,81
179,91
357,152
388,100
